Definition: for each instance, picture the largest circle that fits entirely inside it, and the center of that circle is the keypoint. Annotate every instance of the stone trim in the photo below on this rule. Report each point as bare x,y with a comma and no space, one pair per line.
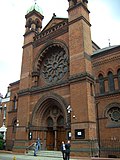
72,79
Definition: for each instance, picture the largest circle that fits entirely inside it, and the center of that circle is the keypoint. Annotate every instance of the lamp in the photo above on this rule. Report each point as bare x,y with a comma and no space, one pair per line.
69,109
17,123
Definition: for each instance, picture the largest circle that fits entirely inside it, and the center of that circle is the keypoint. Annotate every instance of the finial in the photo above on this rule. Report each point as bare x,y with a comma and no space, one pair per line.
54,15
35,1
109,42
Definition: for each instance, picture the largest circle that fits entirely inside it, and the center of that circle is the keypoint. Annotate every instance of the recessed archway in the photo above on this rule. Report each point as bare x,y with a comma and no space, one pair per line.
50,116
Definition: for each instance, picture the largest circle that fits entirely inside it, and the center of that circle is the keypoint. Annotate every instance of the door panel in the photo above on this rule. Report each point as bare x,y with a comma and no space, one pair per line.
50,139
61,136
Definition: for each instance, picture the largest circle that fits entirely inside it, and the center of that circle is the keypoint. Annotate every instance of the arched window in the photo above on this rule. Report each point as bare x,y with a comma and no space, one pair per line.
50,122
118,73
15,103
101,83
60,121
14,125
111,84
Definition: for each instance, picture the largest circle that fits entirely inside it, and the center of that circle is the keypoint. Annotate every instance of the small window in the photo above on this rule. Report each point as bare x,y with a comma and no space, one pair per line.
111,81
118,73
101,84
14,125
15,103
91,89
4,112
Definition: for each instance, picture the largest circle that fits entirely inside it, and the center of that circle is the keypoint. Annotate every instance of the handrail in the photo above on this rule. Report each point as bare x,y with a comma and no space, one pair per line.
30,147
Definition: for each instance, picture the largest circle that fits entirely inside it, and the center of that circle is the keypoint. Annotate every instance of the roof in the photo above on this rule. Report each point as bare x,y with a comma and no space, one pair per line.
104,49
14,83
36,8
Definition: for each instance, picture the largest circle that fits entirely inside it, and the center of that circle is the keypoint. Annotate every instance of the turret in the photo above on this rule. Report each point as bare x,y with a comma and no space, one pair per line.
33,26
34,18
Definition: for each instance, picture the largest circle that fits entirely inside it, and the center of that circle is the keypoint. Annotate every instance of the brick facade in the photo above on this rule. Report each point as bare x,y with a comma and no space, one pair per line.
58,96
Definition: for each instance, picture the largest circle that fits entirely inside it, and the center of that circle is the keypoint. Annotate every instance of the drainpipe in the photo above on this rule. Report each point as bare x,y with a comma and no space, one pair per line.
98,128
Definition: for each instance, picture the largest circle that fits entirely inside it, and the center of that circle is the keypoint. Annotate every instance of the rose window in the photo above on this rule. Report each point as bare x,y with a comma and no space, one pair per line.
55,64
114,114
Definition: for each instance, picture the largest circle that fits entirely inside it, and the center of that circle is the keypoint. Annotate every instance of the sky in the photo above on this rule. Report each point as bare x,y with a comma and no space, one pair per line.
104,18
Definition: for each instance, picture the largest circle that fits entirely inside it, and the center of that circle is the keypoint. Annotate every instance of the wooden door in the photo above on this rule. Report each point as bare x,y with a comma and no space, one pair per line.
61,136
50,139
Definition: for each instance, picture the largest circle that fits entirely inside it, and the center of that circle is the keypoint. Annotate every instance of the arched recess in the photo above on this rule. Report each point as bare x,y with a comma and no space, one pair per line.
111,84
101,83
43,107
118,76
51,117
14,124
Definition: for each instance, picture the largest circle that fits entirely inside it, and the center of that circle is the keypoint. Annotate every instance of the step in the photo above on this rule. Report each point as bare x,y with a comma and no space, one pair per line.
43,153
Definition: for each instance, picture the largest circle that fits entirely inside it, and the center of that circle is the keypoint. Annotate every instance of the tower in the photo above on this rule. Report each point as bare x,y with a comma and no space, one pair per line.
83,123
33,26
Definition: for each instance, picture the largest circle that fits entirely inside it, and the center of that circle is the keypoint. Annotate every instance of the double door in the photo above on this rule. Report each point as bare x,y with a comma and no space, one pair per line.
55,137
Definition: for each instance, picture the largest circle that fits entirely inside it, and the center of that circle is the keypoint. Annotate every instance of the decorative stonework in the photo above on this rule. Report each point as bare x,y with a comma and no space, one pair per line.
54,65
114,114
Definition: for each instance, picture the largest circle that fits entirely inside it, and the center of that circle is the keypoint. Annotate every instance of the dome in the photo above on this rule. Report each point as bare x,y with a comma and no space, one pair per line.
36,8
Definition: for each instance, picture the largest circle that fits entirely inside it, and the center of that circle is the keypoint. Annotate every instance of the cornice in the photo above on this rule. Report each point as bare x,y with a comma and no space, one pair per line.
107,95
104,60
79,18
79,4
63,83
28,44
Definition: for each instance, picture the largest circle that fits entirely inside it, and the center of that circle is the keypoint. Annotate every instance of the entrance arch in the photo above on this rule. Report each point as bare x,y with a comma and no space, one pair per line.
50,116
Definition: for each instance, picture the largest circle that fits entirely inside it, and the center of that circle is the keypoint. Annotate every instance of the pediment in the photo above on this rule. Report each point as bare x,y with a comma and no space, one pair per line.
53,22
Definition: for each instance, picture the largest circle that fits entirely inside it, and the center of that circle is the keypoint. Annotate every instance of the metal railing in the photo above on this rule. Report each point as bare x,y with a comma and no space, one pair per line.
107,148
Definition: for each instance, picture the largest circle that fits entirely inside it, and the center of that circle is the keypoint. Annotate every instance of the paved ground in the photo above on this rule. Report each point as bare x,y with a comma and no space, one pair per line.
10,156
4,156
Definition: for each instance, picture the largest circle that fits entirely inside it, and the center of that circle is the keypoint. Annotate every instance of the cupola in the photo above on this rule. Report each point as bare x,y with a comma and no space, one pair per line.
36,8
34,18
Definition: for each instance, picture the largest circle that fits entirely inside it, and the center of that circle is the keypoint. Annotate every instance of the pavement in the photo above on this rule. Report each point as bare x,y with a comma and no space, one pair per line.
12,156
4,156
7,155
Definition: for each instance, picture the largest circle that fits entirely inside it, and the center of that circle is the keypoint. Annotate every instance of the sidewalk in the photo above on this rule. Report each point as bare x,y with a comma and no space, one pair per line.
7,155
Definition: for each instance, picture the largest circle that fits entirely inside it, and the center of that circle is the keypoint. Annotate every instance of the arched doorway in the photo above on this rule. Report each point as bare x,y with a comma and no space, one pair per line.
50,118
55,129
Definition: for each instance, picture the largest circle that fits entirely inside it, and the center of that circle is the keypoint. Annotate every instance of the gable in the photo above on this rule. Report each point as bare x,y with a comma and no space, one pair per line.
53,22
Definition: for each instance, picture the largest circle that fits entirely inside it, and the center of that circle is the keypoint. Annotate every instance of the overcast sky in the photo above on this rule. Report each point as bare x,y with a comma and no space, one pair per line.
104,18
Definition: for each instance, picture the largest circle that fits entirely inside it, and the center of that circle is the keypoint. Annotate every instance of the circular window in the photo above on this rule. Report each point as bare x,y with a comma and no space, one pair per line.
55,64
114,114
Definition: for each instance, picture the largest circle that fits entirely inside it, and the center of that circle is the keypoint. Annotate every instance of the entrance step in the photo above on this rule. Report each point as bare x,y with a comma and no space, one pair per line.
45,153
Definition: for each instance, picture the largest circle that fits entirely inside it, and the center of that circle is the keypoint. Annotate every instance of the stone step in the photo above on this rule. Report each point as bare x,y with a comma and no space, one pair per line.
46,153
